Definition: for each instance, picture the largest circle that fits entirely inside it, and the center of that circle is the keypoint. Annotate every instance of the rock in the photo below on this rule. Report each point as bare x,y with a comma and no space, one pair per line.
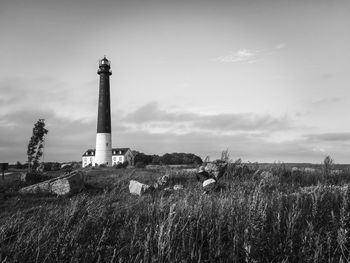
63,185
163,181
211,170
202,174
137,188
178,187
209,182
73,183
209,185
214,170
40,188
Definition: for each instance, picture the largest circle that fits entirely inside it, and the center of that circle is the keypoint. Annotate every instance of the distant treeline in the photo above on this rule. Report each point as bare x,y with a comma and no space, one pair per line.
47,166
166,159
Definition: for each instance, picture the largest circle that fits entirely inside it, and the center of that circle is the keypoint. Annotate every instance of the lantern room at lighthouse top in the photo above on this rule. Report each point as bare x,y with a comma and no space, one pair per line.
104,66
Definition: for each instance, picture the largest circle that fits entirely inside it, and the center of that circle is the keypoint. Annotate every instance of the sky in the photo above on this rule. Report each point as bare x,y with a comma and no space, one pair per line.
266,79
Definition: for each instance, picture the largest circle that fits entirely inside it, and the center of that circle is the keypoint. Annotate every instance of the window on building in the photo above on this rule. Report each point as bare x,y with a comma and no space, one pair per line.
120,158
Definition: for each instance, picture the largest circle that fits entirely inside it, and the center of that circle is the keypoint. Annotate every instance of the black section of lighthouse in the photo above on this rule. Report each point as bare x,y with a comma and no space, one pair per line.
103,153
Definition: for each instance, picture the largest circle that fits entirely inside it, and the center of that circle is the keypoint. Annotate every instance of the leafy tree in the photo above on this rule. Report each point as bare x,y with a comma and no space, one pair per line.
141,157
166,159
180,158
36,144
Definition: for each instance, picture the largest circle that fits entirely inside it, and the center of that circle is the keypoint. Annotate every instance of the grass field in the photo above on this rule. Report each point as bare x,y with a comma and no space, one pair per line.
283,218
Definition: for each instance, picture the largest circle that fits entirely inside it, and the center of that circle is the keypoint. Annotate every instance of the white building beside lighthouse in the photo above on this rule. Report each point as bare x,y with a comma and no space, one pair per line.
119,155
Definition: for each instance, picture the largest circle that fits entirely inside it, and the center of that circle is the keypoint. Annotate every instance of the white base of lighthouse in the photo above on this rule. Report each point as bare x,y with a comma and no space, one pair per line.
103,154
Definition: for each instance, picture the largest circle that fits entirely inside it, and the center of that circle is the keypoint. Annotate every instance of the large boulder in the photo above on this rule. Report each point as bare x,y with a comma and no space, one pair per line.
63,185
137,188
73,183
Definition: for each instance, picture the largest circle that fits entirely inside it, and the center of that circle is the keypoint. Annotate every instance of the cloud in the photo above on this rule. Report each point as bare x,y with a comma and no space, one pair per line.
250,147
46,93
66,140
153,130
243,55
151,117
248,56
280,45
326,101
330,137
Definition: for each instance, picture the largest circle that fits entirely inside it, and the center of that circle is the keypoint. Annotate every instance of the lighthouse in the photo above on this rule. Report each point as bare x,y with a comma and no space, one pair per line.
103,154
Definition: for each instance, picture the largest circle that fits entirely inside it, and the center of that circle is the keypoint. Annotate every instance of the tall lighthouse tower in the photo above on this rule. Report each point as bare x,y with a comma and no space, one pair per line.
103,154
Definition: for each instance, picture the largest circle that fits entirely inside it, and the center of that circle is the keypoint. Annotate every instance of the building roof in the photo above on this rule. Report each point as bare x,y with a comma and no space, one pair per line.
89,152
119,151
115,151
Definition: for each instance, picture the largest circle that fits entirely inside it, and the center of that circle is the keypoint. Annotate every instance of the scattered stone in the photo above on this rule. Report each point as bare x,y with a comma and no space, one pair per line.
63,185
209,182
209,185
178,187
202,174
212,170
137,188
163,181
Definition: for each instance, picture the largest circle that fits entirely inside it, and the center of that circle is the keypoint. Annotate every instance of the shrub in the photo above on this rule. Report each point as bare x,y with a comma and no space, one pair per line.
140,165
121,165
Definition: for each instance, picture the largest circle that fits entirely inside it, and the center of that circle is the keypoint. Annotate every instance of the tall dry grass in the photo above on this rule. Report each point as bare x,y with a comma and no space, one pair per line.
246,221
